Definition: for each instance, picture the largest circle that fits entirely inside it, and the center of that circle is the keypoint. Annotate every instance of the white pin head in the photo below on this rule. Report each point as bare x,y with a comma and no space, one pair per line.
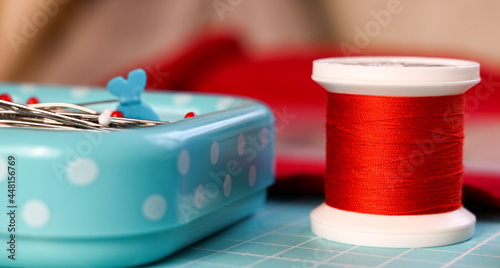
104,119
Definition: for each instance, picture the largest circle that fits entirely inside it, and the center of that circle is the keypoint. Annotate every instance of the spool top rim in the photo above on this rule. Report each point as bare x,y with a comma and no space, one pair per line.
386,75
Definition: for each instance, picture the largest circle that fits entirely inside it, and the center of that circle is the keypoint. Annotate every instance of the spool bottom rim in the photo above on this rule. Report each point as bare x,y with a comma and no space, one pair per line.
392,231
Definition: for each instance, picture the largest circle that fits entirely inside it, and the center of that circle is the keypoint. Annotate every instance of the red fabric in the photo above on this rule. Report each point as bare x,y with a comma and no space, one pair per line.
217,63
194,64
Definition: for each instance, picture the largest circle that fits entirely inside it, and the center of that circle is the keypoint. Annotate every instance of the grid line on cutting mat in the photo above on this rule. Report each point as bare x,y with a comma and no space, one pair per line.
279,235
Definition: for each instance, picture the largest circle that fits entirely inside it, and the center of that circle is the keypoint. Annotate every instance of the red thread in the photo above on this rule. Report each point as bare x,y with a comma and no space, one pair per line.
394,155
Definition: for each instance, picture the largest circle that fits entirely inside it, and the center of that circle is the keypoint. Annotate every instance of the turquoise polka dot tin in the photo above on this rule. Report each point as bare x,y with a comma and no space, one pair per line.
84,198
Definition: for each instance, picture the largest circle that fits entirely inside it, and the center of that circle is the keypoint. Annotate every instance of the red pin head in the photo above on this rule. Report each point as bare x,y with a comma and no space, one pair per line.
5,97
116,114
190,114
33,100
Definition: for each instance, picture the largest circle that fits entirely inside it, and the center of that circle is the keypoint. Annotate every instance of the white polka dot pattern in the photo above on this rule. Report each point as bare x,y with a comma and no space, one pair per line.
183,162
227,185
35,213
252,175
82,171
80,92
27,88
241,145
154,207
214,153
182,99
224,103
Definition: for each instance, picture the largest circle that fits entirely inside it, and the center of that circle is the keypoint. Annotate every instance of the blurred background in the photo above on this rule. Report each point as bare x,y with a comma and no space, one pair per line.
261,49
80,42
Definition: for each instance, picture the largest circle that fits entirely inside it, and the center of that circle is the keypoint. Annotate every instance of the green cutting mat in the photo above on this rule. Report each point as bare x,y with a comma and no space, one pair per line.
279,235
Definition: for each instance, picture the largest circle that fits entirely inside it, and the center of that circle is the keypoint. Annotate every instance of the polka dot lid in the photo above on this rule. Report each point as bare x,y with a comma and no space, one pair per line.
75,185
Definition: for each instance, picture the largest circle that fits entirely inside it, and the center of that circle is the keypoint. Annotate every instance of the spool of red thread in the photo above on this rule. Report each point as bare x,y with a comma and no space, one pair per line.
394,151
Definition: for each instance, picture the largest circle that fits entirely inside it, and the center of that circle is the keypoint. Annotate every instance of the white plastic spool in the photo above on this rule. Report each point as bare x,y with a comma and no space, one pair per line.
394,76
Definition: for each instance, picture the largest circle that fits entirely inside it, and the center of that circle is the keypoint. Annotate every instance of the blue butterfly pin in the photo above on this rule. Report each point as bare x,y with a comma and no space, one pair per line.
129,92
